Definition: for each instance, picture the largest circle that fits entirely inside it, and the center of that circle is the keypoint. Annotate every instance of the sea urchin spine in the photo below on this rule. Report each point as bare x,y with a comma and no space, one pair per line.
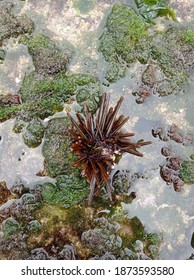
98,140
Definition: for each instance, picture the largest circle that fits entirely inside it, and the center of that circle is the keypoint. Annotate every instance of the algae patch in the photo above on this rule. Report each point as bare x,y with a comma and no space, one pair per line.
127,39
47,58
186,172
11,25
70,187
123,41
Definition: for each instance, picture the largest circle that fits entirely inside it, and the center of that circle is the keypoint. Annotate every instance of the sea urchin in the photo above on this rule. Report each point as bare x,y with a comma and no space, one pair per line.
98,140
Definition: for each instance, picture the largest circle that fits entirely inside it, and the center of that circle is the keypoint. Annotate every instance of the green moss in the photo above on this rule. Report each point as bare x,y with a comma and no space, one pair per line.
33,133
186,172
124,40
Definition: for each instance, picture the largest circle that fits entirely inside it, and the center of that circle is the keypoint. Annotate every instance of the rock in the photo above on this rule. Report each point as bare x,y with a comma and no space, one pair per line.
106,256
2,55
11,25
10,226
186,172
56,148
67,253
46,57
39,254
33,133
67,195
5,193
9,99
44,96
123,41
34,226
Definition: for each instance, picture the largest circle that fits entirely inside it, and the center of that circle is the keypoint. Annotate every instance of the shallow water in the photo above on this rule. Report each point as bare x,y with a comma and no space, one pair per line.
157,205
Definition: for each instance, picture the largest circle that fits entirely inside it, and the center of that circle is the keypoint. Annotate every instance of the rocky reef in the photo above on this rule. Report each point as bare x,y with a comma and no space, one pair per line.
51,219
126,39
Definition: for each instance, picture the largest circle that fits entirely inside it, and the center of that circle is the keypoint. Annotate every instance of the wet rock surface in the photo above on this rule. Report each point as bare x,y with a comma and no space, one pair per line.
11,25
47,58
176,170
126,40
33,133
123,41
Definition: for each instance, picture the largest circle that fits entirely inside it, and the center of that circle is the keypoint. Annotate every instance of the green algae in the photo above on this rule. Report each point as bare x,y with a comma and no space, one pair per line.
56,147
186,172
70,187
189,36
45,97
61,86
71,192
9,112
10,226
11,25
124,40
58,90
46,57
33,133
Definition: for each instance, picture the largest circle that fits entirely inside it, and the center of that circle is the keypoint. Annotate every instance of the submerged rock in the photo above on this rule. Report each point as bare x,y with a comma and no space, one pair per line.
174,133
71,191
186,171
126,40
123,41
70,187
56,147
10,226
118,237
33,133
11,25
46,57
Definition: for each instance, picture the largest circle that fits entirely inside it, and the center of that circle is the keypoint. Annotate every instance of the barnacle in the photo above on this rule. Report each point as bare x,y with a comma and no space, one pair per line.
98,140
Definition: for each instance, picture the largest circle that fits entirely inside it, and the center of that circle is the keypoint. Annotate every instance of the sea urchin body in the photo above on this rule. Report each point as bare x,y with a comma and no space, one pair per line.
98,140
